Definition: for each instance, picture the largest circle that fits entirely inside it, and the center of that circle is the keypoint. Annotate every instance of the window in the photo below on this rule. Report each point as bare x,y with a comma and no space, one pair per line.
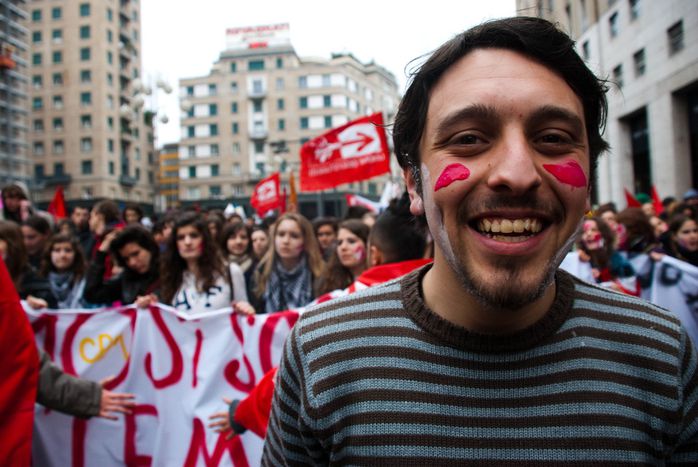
190,90
234,87
212,109
618,75
326,80
279,84
58,168
257,106
86,122
110,36
234,107
236,150
639,61
38,125
191,131
328,121
303,102
86,167
214,150
58,147
56,12
280,104
110,57
214,190
36,36
37,103
57,102
327,101
281,124
36,59
302,82
38,148
304,123
111,168
85,10
85,98
39,171
585,50
279,62
255,65
85,32
110,123
57,79
613,24
110,14
86,144
110,79
215,170
57,36
85,54
37,81
36,15
110,145
236,128
58,124
191,151
260,168
675,34
233,67
213,129
138,173
57,57
192,171
634,9
259,147
212,90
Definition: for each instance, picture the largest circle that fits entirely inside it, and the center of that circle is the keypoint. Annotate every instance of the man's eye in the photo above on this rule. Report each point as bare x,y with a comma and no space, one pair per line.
466,139
554,138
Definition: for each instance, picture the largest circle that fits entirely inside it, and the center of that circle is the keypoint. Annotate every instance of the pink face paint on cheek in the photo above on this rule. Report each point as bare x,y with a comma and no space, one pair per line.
452,173
569,173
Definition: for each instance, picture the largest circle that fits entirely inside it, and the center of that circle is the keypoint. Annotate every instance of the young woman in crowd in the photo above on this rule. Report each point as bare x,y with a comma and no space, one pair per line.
194,275
133,249
289,273
349,257
64,266
36,231
596,246
260,241
236,246
683,239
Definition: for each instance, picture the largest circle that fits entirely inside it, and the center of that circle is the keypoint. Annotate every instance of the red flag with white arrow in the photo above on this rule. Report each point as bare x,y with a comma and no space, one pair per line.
352,152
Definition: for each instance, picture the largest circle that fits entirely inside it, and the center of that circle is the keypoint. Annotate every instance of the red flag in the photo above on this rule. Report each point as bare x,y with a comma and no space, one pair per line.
631,200
57,205
19,367
267,195
656,201
351,153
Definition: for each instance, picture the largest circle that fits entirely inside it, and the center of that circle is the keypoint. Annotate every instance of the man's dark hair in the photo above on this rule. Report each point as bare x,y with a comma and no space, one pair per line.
138,235
38,223
535,38
320,221
135,208
109,209
397,233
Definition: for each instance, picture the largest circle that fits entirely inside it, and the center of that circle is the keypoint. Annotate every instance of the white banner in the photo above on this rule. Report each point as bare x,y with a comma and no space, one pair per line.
178,366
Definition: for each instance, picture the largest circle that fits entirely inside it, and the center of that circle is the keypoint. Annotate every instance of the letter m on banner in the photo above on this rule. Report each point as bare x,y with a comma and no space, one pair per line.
353,152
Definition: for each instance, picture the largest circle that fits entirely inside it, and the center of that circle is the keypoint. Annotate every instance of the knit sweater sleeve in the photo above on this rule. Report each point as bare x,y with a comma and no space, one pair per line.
686,450
290,439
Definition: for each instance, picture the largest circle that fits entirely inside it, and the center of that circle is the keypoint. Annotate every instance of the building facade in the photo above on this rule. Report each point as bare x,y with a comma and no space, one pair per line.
168,178
15,162
87,131
647,50
250,115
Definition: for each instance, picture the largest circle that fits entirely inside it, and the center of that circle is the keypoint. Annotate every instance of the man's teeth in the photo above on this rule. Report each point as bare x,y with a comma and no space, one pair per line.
510,225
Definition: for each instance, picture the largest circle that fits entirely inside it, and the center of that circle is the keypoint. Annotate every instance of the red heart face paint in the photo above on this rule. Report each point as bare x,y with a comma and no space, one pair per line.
451,174
569,173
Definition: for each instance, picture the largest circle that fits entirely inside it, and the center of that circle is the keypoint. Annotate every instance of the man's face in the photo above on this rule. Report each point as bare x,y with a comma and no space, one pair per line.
325,236
96,222
80,217
505,164
33,240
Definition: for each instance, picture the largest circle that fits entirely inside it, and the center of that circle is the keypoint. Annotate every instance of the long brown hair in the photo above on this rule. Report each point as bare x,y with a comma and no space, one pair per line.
173,266
16,258
311,248
78,267
337,276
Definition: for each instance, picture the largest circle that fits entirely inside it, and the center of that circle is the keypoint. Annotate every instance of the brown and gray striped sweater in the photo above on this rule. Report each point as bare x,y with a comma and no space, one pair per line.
377,378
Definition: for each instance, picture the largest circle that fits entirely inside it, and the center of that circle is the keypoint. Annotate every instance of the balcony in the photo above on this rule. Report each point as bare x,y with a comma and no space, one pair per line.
127,181
257,93
259,133
57,179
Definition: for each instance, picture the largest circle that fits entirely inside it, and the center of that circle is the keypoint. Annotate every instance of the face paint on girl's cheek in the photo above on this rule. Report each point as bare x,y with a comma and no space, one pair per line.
360,254
452,173
569,173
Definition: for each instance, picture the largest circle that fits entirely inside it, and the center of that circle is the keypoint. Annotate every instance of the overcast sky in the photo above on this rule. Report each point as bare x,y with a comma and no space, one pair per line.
182,39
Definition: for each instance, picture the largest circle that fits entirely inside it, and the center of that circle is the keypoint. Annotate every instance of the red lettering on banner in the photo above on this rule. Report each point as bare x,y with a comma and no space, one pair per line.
177,359
197,447
118,379
267,334
197,354
49,323
70,333
131,457
78,441
231,369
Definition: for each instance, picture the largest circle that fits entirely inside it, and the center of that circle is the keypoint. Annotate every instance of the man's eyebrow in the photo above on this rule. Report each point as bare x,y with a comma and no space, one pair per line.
551,112
475,111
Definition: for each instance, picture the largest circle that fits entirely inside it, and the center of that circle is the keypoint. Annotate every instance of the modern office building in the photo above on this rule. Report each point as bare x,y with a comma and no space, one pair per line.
167,196
88,130
250,115
15,162
647,49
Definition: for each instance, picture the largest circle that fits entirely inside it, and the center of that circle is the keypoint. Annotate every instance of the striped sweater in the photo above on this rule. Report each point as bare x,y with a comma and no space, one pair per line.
377,378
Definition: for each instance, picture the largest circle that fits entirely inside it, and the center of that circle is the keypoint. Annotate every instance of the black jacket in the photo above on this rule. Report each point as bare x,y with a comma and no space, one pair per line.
36,286
125,287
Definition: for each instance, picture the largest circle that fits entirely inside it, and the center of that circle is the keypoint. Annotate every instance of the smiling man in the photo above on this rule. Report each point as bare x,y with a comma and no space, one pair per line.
491,355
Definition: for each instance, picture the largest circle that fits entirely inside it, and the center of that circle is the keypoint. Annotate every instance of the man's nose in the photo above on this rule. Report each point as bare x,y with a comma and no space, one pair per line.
513,167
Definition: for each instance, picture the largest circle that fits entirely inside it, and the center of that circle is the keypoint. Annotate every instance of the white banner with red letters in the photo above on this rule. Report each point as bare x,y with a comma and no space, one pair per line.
178,366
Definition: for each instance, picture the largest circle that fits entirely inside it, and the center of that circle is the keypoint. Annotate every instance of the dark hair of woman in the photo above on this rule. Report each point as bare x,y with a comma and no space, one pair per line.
674,248
230,230
601,257
79,264
16,258
173,266
336,275
134,234
640,233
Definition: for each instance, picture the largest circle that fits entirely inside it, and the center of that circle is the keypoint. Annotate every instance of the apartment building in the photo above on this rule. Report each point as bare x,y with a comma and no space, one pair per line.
647,50
87,128
15,162
168,178
250,115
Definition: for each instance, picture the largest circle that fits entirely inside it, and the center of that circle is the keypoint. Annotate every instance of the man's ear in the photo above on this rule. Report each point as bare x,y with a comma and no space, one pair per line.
375,257
416,203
